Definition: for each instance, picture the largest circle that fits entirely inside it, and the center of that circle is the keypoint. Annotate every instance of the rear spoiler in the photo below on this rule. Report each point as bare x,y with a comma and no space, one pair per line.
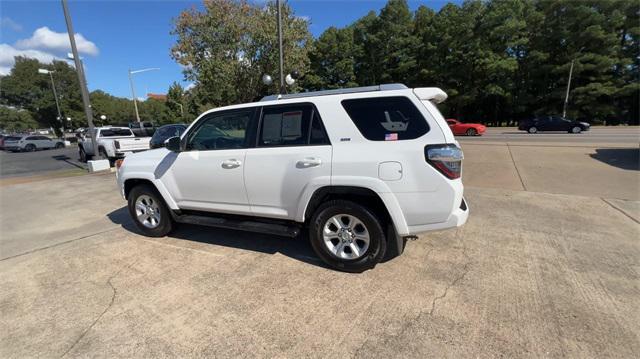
433,94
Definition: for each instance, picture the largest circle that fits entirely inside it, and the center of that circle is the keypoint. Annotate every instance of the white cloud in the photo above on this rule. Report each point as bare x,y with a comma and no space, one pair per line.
46,39
10,24
189,86
8,52
304,18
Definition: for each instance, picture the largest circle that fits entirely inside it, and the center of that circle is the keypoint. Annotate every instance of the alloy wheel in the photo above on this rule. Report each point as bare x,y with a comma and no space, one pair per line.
147,211
346,236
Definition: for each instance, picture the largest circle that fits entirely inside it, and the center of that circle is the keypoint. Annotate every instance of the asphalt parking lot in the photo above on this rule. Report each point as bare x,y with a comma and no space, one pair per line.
19,164
547,266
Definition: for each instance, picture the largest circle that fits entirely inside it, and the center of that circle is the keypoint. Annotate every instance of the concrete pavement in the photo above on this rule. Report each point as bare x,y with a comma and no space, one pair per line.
547,266
530,274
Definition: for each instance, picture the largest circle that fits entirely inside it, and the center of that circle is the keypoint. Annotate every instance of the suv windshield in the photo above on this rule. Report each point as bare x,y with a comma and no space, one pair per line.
115,132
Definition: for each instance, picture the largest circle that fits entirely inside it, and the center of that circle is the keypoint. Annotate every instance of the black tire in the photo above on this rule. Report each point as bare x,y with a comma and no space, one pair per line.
30,148
165,224
472,132
533,129
377,241
103,154
59,145
575,129
83,155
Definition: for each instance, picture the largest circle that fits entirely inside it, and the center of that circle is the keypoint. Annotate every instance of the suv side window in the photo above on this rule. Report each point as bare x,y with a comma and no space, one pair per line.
290,125
31,138
221,131
386,118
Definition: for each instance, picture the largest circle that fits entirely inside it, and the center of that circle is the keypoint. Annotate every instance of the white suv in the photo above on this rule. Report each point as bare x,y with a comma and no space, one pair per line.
363,169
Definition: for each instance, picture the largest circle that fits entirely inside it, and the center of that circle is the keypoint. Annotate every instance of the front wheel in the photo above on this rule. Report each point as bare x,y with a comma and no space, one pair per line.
30,148
149,212
576,129
533,129
59,145
347,236
83,155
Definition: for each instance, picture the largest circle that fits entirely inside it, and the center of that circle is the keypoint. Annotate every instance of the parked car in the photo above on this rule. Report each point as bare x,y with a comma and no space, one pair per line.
553,123
30,143
2,141
469,129
142,128
113,143
164,133
363,169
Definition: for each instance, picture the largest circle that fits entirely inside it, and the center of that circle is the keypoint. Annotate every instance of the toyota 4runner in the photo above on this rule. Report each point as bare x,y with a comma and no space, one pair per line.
362,169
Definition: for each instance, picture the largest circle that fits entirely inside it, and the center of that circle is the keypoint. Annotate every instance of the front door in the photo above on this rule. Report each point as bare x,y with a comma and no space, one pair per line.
292,156
208,174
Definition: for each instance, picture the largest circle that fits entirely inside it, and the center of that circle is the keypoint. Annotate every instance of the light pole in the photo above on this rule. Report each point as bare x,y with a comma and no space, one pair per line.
55,94
133,92
81,79
181,110
282,88
566,97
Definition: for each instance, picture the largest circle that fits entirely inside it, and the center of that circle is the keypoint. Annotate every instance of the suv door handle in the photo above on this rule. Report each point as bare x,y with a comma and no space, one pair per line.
309,162
232,163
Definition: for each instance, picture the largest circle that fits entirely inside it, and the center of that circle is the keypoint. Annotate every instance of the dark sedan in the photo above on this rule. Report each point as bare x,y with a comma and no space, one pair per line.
166,132
553,123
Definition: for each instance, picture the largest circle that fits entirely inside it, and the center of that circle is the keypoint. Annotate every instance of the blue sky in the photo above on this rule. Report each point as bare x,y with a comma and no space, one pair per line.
119,35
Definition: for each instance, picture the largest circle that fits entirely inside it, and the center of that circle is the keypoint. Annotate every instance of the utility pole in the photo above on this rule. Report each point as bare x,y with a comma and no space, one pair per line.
55,94
81,79
282,88
566,98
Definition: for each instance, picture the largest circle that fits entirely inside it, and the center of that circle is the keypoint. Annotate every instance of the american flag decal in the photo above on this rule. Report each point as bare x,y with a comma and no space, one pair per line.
391,137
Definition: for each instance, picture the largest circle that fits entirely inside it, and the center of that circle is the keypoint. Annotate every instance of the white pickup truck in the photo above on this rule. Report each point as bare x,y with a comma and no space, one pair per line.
113,143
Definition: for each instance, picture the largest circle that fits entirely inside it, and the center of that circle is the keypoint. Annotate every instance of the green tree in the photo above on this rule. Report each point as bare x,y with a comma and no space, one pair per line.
14,120
332,60
229,45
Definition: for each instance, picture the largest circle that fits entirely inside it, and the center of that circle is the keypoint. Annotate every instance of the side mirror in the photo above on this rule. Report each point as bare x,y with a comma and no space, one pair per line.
173,144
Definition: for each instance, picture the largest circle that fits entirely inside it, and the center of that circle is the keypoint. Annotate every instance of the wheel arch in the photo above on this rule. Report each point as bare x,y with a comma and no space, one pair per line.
129,183
383,205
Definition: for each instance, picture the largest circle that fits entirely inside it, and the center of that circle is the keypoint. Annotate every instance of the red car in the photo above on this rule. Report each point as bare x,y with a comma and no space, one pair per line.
469,129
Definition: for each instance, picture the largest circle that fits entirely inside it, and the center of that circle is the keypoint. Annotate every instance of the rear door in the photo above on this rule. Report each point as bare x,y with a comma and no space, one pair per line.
292,155
44,142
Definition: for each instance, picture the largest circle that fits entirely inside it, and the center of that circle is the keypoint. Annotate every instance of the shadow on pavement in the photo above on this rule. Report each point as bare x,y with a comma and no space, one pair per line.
623,158
68,160
297,248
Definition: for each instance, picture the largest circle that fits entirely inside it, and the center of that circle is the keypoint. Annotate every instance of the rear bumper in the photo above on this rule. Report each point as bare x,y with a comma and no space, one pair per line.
457,218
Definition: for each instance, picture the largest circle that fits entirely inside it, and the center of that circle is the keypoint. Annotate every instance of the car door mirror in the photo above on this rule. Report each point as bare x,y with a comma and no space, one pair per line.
173,144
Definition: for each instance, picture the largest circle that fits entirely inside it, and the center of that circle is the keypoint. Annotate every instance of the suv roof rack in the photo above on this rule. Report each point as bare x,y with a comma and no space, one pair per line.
384,87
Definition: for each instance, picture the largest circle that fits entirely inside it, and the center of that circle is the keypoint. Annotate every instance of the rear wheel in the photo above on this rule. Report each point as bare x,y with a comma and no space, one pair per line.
59,145
472,132
30,148
533,129
347,236
149,212
576,129
83,155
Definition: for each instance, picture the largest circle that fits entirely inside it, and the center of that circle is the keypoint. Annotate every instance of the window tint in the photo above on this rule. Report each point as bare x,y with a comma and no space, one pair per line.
44,138
221,131
285,125
12,138
318,135
31,138
386,118
115,132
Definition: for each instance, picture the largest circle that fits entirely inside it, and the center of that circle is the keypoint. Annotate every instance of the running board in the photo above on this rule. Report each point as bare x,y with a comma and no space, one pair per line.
276,229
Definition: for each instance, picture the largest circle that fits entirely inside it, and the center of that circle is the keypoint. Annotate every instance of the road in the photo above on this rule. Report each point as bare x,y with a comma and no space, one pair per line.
604,136
39,162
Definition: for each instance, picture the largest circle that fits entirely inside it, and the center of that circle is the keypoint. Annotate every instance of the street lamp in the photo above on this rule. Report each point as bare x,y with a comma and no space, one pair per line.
53,86
566,97
133,93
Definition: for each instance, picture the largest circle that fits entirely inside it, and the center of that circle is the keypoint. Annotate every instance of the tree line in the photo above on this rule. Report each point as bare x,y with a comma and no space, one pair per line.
27,102
499,60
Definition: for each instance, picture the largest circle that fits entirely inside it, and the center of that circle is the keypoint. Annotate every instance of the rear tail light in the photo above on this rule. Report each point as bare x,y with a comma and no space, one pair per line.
119,163
447,159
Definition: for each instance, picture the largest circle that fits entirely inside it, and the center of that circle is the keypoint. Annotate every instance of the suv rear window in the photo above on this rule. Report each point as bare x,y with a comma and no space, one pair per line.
386,118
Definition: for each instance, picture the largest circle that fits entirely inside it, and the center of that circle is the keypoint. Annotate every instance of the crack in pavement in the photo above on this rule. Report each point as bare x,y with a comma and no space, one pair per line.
113,298
465,270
